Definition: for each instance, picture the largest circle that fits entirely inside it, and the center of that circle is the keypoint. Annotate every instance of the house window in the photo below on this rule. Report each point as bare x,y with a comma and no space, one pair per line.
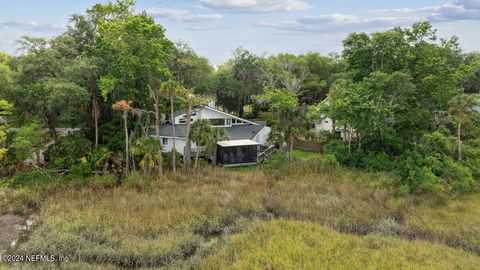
182,121
228,121
164,141
217,121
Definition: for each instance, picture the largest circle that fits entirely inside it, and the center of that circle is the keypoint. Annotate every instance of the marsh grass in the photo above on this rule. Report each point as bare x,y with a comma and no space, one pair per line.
178,220
146,223
281,244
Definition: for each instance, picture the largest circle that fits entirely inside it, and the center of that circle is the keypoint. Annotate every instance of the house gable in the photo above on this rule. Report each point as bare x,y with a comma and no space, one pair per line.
216,117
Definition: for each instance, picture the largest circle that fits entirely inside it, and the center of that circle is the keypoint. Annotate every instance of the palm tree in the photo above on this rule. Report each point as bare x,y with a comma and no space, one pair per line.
214,136
199,135
172,89
146,147
124,106
190,96
461,105
156,98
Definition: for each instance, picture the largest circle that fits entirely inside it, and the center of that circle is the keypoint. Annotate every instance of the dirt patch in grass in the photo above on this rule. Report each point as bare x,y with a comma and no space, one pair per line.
9,230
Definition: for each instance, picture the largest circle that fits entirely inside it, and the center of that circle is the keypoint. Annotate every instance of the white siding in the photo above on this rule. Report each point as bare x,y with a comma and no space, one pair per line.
179,145
324,124
262,135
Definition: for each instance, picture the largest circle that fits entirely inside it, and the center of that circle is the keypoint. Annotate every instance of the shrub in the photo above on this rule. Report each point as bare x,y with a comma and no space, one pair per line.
31,179
167,160
68,150
376,162
416,175
329,159
457,176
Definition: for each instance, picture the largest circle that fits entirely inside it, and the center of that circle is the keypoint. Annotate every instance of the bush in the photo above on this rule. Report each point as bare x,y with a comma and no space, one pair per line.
433,173
329,159
28,179
457,176
167,160
416,175
372,162
68,150
83,169
376,162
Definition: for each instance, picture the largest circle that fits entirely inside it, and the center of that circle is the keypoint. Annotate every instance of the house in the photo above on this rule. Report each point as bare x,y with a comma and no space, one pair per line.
325,123
246,138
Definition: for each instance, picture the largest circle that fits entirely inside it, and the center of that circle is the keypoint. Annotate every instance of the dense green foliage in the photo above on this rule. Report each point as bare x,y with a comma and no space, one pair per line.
69,150
400,100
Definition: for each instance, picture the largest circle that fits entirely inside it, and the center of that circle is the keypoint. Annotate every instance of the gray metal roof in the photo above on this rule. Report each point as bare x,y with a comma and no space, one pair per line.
240,132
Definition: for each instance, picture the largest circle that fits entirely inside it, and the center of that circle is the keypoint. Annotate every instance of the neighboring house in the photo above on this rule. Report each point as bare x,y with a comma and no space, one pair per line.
246,138
326,124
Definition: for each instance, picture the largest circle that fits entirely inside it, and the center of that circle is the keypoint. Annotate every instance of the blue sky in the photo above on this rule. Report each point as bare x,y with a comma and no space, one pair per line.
215,27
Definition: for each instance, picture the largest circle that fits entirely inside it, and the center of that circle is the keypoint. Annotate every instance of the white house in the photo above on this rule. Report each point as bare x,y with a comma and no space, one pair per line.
241,132
325,123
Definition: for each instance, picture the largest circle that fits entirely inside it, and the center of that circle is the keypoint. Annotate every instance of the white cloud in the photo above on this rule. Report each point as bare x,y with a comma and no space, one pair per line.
380,18
31,25
256,6
181,15
458,10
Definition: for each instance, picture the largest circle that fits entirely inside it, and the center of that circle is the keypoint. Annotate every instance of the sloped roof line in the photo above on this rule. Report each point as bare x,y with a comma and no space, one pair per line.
231,115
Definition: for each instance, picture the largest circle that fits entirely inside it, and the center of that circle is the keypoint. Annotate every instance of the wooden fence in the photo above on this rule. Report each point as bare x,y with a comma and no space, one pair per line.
308,146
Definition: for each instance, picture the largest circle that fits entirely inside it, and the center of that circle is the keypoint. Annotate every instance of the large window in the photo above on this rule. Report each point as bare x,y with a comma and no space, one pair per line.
164,141
217,121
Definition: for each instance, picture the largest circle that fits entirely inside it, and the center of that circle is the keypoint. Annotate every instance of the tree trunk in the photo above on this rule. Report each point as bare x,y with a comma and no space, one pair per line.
459,136
95,118
290,158
197,157
127,156
188,144
241,111
349,137
174,151
37,155
214,160
287,149
157,133
51,128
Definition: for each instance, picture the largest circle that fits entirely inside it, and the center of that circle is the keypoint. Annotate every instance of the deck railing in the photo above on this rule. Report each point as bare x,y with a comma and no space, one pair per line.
265,154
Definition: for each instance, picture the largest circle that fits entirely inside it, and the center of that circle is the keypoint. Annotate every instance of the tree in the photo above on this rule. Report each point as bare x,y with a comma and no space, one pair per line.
146,147
236,81
172,89
30,139
134,51
125,108
214,136
155,94
187,67
200,136
192,101
291,121
461,105
41,87
5,108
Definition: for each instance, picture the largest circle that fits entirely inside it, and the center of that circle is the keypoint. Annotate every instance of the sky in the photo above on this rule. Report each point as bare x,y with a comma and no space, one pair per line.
214,28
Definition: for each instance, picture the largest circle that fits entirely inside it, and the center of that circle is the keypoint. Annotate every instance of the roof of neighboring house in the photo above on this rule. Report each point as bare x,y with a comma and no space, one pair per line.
178,113
233,143
240,132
